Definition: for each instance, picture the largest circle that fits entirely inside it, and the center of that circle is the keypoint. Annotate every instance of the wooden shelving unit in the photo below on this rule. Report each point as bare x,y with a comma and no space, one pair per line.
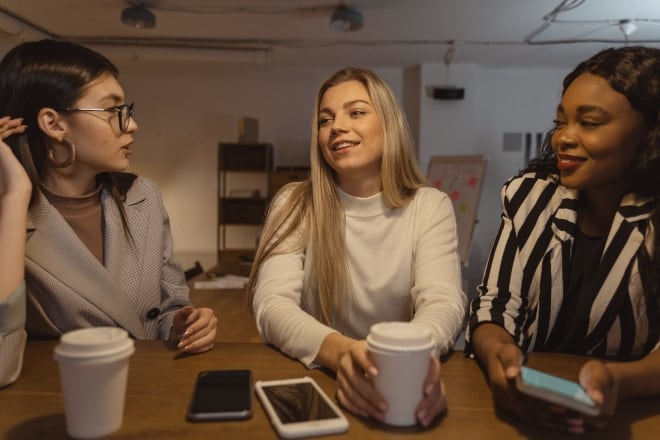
247,183
243,196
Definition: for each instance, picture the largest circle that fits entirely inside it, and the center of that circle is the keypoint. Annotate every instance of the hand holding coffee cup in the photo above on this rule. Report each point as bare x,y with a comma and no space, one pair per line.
402,354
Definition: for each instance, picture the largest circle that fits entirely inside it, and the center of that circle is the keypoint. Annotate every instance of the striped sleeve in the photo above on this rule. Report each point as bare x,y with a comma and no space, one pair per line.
499,299
518,267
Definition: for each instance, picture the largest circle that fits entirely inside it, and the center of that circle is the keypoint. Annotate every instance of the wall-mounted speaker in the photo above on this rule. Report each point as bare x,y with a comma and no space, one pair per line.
450,93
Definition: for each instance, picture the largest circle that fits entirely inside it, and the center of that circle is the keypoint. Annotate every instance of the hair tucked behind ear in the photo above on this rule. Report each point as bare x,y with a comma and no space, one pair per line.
313,209
53,74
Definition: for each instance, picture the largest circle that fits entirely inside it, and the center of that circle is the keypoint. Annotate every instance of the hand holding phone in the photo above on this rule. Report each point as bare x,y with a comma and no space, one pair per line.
221,395
556,390
300,408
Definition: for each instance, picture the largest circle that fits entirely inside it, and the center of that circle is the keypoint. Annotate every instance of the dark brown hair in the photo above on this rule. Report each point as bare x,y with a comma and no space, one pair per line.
51,73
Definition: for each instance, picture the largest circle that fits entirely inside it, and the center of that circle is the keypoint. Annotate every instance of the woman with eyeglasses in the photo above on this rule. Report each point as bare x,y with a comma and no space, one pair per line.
98,247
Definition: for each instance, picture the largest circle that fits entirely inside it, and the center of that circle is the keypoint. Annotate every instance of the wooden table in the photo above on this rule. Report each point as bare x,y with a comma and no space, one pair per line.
235,319
160,385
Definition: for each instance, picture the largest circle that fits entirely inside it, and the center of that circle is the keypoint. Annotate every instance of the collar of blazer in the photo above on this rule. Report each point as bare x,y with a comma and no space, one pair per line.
53,246
627,234
634,209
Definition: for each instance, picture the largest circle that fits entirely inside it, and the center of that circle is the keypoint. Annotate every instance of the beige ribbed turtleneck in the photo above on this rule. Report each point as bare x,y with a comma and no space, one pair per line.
83,214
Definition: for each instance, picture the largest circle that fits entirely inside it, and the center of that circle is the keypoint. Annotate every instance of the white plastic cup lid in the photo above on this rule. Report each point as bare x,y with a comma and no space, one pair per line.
399,336
94,342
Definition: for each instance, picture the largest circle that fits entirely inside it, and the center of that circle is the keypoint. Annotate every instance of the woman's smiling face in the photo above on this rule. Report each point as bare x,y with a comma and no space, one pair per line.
597,135
351,135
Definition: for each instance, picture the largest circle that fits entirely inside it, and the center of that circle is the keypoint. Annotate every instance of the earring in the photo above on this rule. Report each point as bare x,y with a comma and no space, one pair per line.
68,161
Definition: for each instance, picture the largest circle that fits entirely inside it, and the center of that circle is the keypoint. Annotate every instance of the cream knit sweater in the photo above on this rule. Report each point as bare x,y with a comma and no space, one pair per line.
403,266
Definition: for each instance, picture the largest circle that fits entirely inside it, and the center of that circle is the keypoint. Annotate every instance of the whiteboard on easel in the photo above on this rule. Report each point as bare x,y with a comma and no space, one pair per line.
461,178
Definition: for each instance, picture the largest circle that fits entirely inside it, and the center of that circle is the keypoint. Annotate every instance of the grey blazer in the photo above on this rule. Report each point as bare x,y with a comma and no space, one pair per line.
138,288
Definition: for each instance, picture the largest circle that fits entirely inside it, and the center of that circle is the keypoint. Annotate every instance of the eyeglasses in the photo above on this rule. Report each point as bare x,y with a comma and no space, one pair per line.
124,113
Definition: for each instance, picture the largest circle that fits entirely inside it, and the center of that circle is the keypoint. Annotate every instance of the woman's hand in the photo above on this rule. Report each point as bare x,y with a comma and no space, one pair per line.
503,368
193,329
434,401
357,393
355,388
597,379
503,365
14,180
10,126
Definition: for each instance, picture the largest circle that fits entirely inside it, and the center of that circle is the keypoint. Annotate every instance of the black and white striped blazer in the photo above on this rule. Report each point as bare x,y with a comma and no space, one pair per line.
523,283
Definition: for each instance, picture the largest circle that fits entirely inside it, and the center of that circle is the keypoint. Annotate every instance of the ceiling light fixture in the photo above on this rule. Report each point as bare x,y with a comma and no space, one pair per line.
346,19
627,27
138,17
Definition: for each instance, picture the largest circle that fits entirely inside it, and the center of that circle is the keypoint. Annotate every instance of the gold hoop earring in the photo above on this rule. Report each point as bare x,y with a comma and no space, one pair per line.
69,160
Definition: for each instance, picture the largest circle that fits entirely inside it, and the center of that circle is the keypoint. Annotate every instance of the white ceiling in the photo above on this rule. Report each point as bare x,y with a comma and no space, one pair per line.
297,32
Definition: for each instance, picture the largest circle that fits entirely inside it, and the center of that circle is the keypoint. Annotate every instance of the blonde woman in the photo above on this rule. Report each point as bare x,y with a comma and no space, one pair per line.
363,240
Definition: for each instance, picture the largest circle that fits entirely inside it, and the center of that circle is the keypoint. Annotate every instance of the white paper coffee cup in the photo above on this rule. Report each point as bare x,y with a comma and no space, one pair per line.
401,352
93,364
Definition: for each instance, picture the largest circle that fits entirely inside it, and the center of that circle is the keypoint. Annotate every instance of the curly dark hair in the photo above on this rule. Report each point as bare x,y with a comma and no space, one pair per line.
633,71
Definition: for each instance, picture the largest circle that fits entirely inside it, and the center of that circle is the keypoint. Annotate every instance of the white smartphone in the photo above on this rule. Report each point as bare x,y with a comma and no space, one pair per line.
221,395
556,390
299,408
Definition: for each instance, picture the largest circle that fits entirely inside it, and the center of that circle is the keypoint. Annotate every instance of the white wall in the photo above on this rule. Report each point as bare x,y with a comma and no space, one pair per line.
447,126
184,110
496,101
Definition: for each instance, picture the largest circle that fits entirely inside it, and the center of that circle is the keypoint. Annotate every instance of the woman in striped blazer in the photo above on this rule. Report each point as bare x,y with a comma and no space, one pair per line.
575,266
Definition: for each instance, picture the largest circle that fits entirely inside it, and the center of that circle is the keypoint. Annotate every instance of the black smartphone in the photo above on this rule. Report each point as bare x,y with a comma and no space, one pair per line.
221,395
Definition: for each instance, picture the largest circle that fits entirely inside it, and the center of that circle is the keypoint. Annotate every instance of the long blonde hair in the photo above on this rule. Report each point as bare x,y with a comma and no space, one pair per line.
313,209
